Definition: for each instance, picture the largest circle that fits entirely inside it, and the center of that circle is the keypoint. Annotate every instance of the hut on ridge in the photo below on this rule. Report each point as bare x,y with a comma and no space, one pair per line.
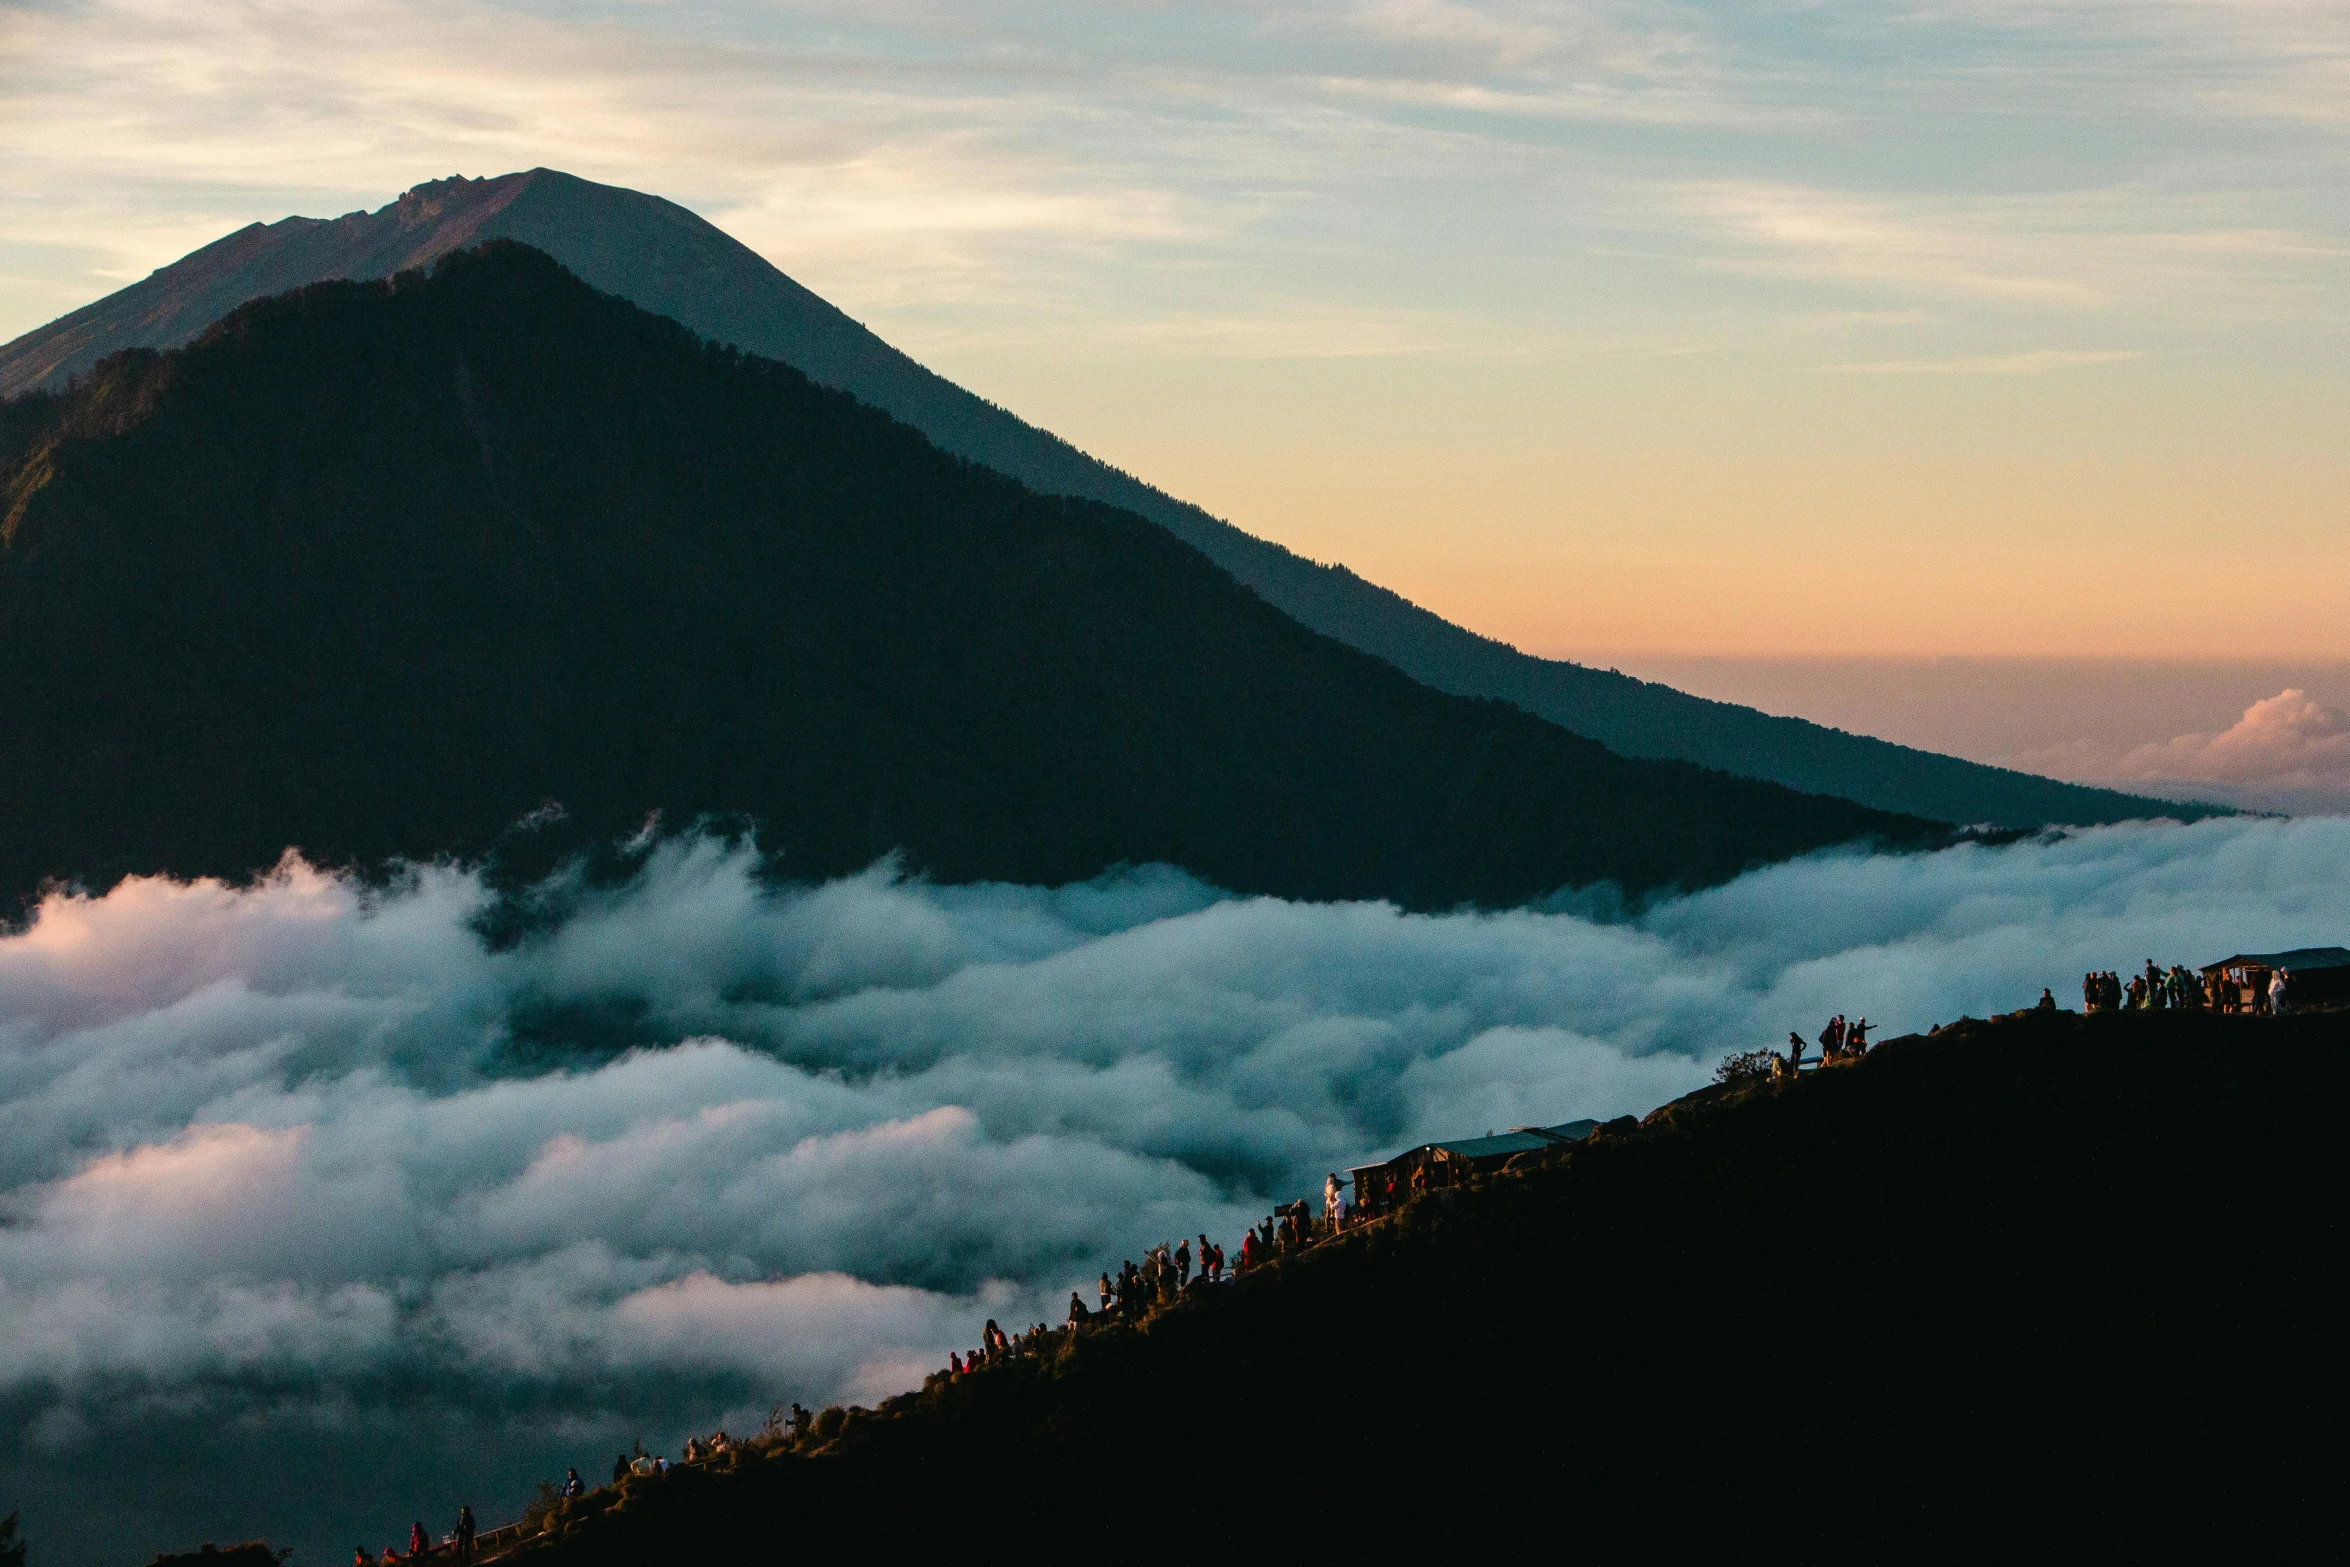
2318,975
1380,1187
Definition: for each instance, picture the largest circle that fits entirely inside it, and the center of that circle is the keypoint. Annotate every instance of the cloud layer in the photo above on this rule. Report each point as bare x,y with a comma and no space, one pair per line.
303,1181
2289,752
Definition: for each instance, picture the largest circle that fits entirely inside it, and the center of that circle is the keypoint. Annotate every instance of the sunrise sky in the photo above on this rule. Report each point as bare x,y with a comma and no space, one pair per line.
1981,327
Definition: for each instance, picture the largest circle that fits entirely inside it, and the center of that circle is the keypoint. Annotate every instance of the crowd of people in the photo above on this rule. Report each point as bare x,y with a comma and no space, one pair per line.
1167,1273
1839,1042
457,1545
461,1543
2158,989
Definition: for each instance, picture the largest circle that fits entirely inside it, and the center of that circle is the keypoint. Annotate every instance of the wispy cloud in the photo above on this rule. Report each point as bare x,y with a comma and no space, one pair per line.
1941,249
2081,251
2038,361
921,152
1075,208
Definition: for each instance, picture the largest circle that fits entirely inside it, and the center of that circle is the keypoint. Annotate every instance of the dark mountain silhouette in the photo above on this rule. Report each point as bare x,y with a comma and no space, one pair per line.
2065,1272
669,261
378,569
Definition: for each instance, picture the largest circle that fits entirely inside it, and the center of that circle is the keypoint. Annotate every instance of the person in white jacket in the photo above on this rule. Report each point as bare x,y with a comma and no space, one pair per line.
2277,984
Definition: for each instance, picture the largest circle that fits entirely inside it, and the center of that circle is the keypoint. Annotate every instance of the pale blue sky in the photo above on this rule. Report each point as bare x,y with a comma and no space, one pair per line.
1967,327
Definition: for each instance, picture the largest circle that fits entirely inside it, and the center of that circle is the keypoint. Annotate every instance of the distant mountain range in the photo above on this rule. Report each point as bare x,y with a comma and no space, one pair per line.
665,259
380,569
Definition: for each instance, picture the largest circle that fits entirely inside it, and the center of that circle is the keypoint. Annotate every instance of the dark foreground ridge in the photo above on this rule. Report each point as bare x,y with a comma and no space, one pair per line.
2044,1266
658,255
381,569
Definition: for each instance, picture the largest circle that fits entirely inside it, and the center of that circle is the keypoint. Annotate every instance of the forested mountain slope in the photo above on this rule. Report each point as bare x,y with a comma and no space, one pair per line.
2027,1278
378,569
671,262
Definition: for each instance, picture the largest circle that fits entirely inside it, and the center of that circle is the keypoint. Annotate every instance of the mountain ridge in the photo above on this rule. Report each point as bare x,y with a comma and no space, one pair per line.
670,261
1931,1282
378,569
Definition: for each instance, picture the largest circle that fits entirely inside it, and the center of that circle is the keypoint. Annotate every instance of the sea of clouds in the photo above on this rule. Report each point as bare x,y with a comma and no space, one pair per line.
319,1214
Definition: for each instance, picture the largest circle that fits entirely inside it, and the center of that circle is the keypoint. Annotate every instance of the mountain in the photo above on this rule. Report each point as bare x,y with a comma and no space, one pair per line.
664,258
2023,1278
379,569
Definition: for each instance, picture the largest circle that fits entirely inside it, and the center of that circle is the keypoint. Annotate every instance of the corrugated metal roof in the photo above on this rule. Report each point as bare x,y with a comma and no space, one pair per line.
1502,1143
2298,958
1518,1139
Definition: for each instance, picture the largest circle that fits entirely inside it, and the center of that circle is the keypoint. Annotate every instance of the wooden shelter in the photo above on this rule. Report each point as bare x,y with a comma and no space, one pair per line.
1380,1187
2318,976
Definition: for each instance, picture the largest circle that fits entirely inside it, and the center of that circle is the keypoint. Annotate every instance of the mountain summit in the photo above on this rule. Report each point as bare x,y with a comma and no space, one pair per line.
669,261
378,569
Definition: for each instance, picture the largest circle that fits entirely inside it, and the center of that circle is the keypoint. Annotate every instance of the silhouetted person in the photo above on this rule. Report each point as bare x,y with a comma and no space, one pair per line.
2047,1000
417,1543
620,1469
1077,1311
465,1529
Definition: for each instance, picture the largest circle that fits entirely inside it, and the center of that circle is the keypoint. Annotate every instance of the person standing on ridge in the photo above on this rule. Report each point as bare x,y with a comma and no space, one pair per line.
463,1535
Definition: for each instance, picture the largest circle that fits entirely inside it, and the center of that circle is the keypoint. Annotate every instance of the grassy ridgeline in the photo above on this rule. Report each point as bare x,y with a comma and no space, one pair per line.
2047,1269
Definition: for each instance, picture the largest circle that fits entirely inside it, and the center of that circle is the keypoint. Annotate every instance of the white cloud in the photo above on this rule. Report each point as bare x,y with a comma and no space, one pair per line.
2037,361
2289,752
2288,740
320,1166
